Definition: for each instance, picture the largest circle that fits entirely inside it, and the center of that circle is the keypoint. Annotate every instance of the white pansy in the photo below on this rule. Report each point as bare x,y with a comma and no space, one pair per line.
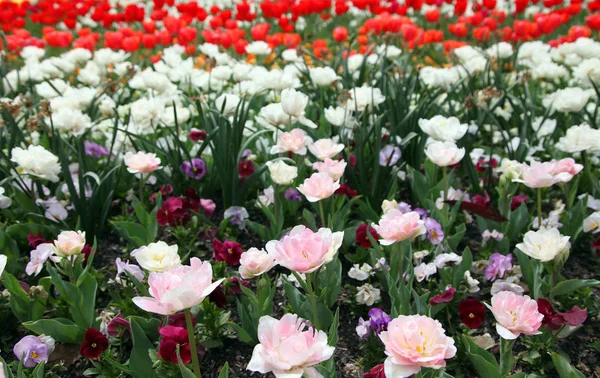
592,223
368,295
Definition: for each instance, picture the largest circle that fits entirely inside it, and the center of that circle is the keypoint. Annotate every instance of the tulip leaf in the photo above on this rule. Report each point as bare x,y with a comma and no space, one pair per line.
224,371
564,368
61,329
457,236
139,360
134,232
565,287
465,265
185,372
483,361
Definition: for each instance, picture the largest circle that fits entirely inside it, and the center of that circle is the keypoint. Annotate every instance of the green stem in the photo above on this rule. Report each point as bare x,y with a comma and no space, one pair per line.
141,188
507,360
313,300
192,339
445,179
539,207
322,213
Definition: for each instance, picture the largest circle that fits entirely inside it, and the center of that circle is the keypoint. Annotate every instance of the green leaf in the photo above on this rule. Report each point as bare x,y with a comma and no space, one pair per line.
20,304
224,371
88,289
332,339
185,372
565,287
310,219
38,372
518,219
5,369
457,236
61,329
483,361
295,298
133,232
139,360
465,264
330,282
564,368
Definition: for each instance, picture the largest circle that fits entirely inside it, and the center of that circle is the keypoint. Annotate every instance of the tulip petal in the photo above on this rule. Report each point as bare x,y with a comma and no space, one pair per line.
393,370
505,333
150,305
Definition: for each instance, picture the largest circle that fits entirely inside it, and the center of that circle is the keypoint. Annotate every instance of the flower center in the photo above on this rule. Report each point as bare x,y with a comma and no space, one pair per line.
94,345
471,315
230,251
33,354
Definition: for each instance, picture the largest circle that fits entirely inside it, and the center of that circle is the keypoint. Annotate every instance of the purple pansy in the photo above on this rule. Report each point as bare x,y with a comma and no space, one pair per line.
195,169
499,264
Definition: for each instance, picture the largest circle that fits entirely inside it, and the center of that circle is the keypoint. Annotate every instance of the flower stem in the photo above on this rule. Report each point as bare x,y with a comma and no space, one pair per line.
507,360
141,188
313,300
445,178
322,213
192,340
539,207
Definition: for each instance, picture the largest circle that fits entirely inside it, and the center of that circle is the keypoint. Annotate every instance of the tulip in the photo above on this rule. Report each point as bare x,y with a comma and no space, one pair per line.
179,288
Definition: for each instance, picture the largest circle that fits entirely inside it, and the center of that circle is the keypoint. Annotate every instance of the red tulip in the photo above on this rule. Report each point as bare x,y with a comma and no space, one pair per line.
340,34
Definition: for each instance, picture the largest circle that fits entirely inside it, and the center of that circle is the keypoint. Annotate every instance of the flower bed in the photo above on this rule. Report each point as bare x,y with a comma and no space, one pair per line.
299,188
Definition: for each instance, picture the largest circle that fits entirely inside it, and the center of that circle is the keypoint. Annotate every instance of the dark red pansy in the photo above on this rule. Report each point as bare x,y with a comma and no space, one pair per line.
36,239
472,312
94,343
361,235
551,319
245,168
119,325
171,338
228,251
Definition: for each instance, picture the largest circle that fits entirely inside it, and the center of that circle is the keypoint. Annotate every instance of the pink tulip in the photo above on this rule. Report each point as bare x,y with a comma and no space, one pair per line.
333,168
69,243
294,141
303,250
141,162
567,166
318,186
179,288
395,226
287,350
543,175
255,262
515,314
413,342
